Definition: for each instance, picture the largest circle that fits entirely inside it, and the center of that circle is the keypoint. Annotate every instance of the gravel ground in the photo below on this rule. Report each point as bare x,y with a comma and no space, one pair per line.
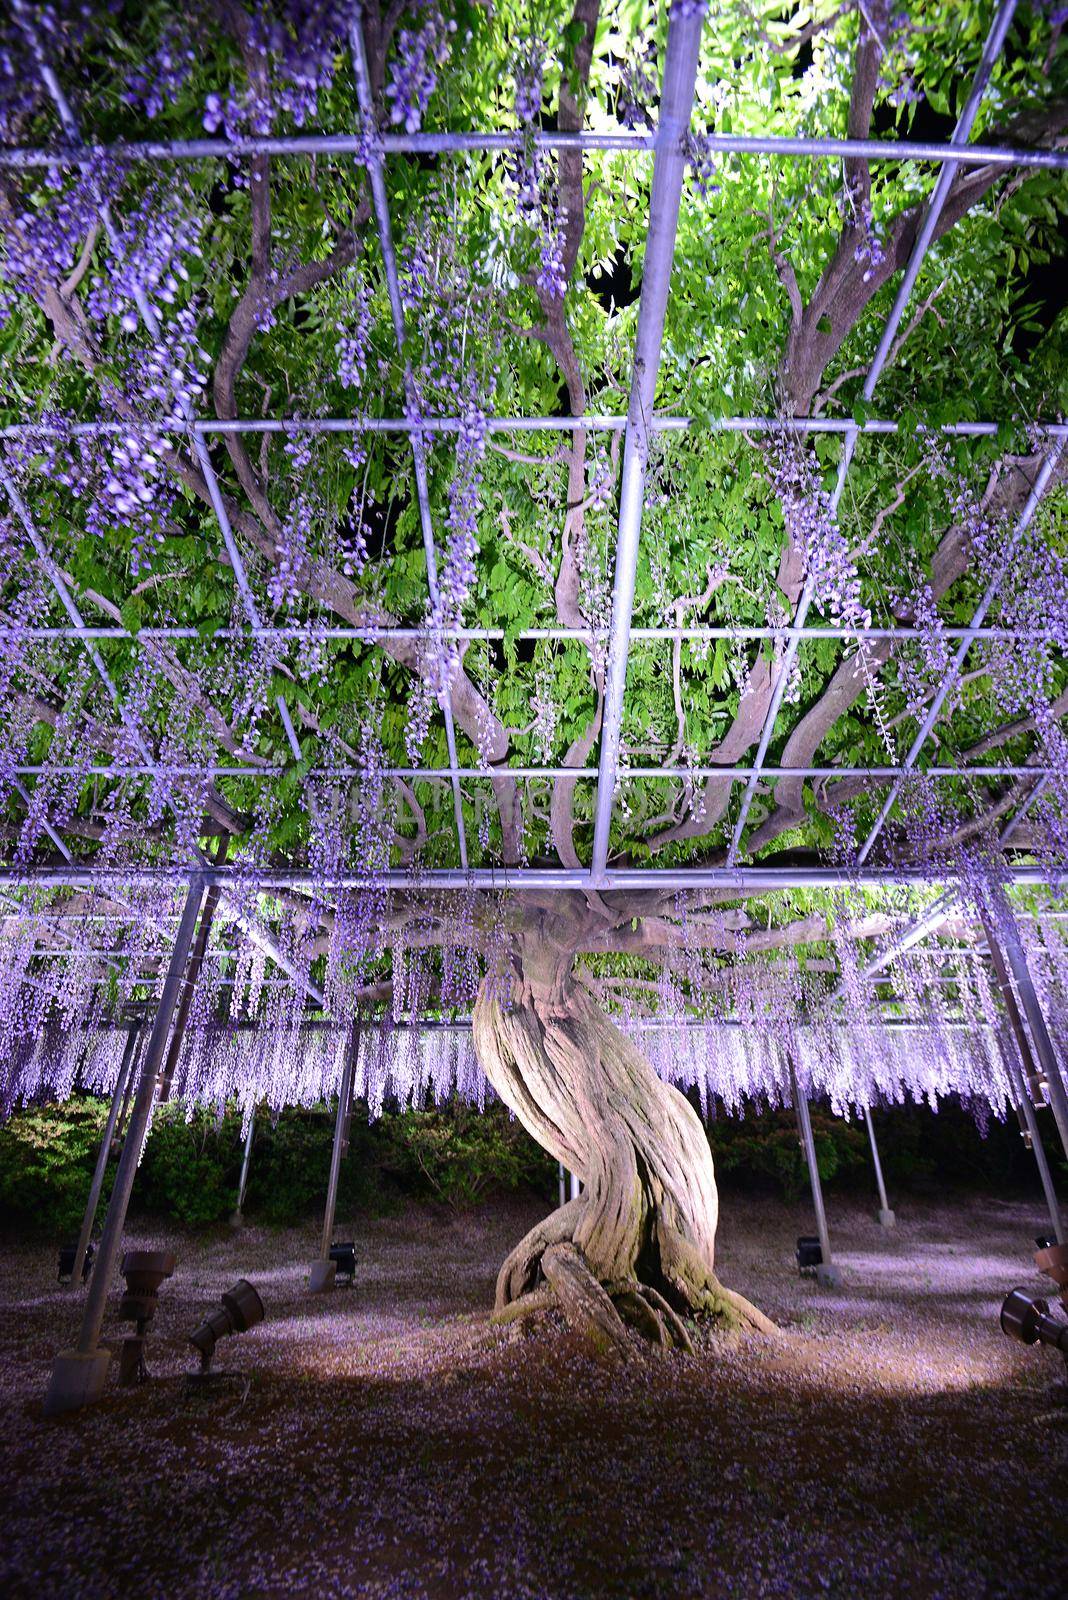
384,1441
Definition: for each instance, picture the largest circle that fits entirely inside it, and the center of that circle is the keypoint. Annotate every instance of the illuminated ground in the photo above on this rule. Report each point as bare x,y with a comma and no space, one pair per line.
894,1443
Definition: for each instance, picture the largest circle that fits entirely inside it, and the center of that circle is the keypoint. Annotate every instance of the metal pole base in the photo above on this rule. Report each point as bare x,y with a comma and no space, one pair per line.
77,1380
321,1276
132,1369
887,1219
236,1220
827,1276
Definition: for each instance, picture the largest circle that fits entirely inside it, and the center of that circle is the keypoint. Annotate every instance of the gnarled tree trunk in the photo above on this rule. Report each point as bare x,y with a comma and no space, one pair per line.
638,1245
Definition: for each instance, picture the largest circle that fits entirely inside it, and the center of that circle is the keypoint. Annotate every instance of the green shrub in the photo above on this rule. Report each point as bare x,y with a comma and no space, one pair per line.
190,1170
765,1145
454,1155
290,1165
47,1155
460,1155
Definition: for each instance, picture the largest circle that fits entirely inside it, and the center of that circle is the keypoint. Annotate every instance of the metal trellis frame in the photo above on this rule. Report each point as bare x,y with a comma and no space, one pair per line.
676,108
377,178
107,769
731,880
953,671
788,147
933,210
371,149
101,427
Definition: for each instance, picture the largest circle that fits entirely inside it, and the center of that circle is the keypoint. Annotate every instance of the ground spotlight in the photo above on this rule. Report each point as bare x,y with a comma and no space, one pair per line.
1044,1240
809,1254
1029,1321
241,1309
1052,1259
144,1271
344,1258
66,1261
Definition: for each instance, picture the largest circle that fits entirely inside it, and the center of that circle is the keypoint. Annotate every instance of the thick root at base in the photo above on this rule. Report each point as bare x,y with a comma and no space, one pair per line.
605,1312
584,1302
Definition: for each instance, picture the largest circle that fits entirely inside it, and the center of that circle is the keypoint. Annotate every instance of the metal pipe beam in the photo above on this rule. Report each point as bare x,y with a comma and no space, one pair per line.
126,1068
189,982
110,769
322,1273
377,178
826,1272
886,1216
49,428
1034,1133
992,49
78,1375
786,147
733,880
1007,953
669,164
374,635
242,1185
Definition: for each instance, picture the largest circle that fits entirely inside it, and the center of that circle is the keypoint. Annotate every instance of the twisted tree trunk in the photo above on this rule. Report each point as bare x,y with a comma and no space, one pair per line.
638,1245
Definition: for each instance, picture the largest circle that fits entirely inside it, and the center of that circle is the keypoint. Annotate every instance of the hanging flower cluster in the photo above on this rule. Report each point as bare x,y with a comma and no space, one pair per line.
418,54
813,530
294,46
536,205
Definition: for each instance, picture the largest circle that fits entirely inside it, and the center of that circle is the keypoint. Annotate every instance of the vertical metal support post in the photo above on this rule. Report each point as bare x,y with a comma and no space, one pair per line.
886,1216
826,1272
376,175
1030,1122
78,1375
575,1186
669,166
192,974
1013,954
561,1183
242,1185
322,1272
118,1100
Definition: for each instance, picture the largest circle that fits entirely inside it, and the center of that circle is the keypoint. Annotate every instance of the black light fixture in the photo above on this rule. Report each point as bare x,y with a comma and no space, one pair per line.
344,1258
241,1309
1029,1321
66,1261
809,1254
144,1271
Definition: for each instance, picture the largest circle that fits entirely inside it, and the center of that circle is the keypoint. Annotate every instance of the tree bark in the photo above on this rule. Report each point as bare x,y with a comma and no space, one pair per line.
637,1247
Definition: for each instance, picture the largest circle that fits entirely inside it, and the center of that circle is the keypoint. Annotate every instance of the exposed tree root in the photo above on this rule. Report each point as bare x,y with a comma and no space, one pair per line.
584,1302
529,1305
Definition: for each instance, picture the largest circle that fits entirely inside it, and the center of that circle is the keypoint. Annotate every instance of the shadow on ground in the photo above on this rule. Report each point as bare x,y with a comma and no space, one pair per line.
385,1442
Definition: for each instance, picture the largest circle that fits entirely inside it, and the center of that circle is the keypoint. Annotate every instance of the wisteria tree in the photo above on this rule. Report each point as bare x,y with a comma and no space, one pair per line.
471,564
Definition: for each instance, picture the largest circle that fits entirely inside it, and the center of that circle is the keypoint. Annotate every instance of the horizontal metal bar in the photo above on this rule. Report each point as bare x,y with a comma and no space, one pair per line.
356,145
742,880
373,635
592,423
492,774
228,955
19,913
